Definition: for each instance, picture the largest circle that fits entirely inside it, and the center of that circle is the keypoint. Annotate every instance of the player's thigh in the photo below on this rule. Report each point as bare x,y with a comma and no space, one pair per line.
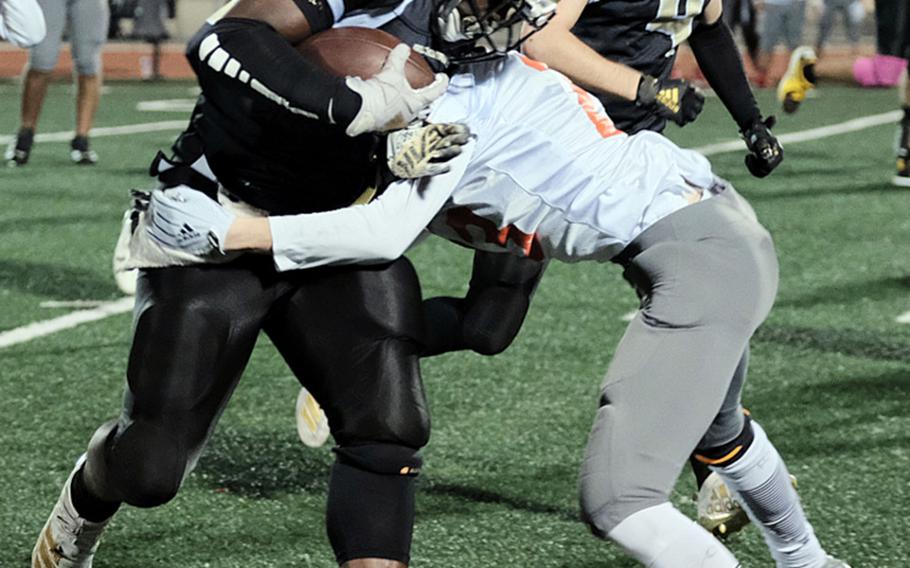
43,57
194,331
352,337
88,20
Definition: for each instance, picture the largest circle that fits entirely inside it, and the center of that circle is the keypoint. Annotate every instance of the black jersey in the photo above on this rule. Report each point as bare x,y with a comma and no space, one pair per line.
283,161
643,34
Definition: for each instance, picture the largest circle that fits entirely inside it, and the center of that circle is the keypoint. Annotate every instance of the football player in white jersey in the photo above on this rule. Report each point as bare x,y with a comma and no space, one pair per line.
21,22
548,176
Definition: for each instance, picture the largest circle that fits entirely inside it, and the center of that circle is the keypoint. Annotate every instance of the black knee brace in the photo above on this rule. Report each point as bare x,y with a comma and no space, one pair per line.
370,510
729,453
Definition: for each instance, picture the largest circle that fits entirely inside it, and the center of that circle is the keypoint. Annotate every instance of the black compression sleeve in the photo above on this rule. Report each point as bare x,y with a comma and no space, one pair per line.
249,54
719,59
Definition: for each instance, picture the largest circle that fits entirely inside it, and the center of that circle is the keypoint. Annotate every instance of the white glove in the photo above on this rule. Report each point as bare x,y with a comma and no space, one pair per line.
188,221
425,150
389,101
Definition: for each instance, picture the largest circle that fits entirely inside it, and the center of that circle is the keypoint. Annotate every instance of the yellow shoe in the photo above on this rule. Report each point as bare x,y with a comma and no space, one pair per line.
798,80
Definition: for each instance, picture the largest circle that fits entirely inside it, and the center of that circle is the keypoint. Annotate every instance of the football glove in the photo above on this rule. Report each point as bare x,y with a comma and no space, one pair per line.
425,150
389,102
188,221
765,152
673,99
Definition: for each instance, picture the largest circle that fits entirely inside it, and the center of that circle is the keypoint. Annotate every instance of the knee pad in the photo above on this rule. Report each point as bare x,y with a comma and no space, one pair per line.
727,454
494,318
370,509
145,464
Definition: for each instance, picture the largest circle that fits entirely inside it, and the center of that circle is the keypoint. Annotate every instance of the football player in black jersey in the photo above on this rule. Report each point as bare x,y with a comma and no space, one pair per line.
352,335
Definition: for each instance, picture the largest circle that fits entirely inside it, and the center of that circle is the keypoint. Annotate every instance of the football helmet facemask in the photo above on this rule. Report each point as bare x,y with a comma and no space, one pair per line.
480,30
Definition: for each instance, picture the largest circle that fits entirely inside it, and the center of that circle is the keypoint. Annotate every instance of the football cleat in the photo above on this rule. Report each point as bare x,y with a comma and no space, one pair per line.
835,563
67,540
798,80
125,278
80,153
718,511
20,148
312,424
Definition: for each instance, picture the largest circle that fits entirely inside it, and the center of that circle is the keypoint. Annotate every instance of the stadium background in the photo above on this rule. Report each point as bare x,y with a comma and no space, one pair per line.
829,381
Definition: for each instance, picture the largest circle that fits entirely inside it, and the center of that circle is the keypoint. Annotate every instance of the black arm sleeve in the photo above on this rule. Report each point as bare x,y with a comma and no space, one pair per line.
487,320
238,53
719,59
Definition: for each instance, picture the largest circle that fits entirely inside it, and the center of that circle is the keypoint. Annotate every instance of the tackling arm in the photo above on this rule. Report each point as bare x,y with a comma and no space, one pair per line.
21,22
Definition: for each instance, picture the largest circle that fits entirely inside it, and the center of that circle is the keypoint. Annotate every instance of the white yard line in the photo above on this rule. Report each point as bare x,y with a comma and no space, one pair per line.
142,127
72,304
903,318
811,134
47,327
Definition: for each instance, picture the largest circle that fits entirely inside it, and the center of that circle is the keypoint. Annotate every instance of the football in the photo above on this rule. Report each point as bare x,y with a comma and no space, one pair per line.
361,52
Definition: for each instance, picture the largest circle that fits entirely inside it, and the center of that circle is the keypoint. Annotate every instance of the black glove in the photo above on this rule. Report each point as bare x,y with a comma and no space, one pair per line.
765,152
674,99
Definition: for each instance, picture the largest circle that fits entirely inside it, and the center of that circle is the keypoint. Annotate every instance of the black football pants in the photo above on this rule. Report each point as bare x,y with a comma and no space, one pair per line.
349,334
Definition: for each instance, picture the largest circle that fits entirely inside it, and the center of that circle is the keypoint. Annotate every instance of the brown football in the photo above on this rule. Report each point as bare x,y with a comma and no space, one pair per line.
361,52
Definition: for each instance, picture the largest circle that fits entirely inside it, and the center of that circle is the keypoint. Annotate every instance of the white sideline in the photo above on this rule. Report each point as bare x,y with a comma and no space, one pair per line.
79,317
139,128
70,320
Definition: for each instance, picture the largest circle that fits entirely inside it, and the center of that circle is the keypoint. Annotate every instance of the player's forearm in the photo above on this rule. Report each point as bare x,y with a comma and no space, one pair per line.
562,51
239,51
249,234
719,59
21,22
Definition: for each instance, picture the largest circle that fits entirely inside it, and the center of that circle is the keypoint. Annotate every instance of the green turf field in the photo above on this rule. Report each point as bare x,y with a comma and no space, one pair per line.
830,375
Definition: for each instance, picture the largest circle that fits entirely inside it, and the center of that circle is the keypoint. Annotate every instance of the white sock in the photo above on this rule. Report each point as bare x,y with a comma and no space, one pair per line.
761,483
662,537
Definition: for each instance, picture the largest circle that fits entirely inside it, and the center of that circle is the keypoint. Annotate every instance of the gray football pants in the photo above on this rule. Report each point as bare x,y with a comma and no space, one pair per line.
87,22
707,277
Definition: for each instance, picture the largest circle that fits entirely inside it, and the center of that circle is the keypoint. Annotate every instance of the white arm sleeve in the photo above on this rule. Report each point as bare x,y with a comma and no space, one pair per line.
21,22
380,231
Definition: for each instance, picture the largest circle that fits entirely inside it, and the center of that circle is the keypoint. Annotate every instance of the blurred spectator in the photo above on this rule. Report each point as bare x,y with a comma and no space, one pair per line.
852,13
87,22
781,21
21,22
741,13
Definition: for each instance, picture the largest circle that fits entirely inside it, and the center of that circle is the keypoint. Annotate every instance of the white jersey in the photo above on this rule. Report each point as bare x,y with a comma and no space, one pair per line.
21,22
547,175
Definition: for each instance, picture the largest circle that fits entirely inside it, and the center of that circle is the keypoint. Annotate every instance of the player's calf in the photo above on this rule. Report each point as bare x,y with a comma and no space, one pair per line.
902,175
758,478
370,510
